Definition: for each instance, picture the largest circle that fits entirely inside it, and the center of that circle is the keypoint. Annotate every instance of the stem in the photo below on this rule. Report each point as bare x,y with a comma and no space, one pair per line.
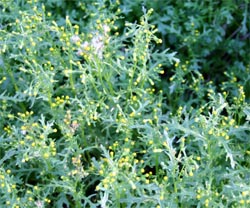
71,80
131,81
13,81
117,199
107,79
157,163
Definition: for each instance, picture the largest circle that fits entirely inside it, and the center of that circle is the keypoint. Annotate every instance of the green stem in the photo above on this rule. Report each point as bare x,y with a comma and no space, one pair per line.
71,79
129,92
157,164
107,79
13,81
117,199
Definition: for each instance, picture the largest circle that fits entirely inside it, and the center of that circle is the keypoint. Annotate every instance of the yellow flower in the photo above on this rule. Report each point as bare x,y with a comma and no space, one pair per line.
191,174
46,155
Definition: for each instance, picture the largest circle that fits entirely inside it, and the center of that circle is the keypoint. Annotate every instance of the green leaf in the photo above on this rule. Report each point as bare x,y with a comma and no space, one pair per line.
62,201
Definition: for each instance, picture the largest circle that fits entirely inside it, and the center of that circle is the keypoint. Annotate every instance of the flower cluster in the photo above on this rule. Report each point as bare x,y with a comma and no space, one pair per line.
97,111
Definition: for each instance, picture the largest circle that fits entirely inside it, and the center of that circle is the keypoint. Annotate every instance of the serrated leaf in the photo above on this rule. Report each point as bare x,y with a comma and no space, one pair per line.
62,201
247,112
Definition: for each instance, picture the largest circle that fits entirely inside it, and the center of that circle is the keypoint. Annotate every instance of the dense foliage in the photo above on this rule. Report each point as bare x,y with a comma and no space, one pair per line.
124,103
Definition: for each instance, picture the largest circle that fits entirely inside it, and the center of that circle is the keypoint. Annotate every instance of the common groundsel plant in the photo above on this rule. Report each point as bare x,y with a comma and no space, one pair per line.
95,112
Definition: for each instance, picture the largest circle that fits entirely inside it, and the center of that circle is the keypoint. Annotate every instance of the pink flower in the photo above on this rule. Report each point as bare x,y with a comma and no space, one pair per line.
75,39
